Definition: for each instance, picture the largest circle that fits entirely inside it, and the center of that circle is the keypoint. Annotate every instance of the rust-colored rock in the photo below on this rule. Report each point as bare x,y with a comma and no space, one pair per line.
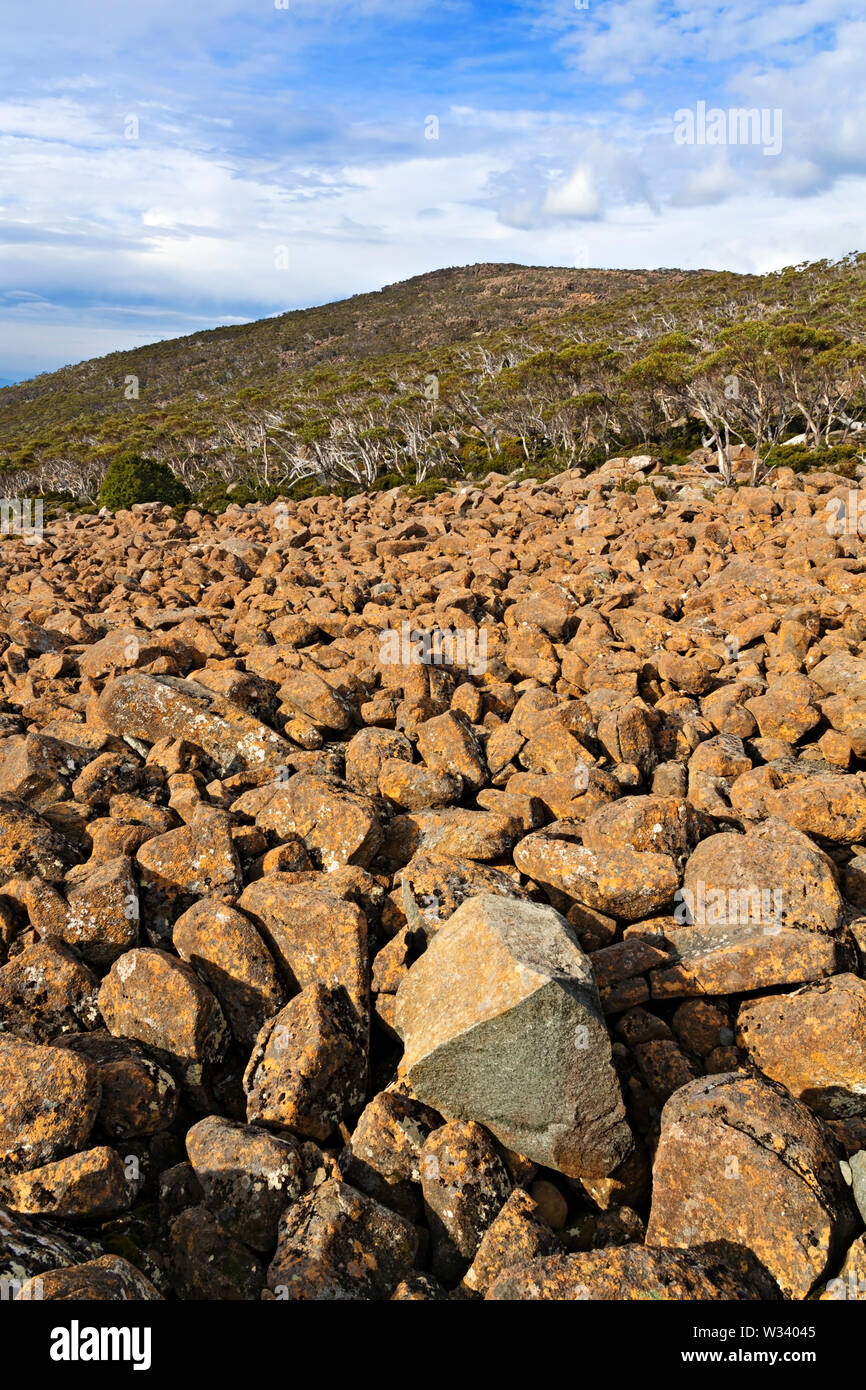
619,880
157,999
86,1186
51,1100
139,1096
248,1177
307,1071
336,1244
28,845
45,992
516,1235
337,826
227,951
110,1278
740,1163
384,1156
632,1272
813,1042
149,708
314,936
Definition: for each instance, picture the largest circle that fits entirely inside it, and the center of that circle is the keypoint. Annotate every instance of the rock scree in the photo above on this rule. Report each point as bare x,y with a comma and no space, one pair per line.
437,898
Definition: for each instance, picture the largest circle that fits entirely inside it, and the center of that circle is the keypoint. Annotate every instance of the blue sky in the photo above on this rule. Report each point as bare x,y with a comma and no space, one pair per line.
281,155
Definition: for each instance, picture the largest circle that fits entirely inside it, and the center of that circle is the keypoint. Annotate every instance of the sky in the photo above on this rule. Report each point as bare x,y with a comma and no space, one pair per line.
173,165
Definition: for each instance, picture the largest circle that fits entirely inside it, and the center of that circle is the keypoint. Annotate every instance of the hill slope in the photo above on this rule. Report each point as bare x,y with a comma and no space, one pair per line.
277,396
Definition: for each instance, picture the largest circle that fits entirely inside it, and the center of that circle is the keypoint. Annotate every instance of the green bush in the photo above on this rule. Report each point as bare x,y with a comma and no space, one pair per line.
386,481
131,478
838,458
431,487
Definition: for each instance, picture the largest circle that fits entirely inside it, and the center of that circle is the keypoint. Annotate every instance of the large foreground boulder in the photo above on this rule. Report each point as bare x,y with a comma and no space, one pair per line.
742,1164
502,1024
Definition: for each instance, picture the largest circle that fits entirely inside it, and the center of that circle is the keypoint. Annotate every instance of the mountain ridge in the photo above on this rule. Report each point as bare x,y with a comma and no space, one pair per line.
219,398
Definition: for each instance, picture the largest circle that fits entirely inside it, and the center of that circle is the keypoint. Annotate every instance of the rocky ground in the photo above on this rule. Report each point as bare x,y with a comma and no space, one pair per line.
410,899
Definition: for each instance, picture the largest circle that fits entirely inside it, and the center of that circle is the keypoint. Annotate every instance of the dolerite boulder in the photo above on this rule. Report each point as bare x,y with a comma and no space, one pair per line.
139,1097
314,935
833,808
175,868
110,1278
248,1177
465,1184
633,1272
229,954
624,882
337,1244
478,835
156,999
101,914
307,1071
46,991
516,1236
149,708
813,1042
755,910
86,1186
337,826
29,845
502,1024
208,1262
741,1164
434,886
51,1099
384,1157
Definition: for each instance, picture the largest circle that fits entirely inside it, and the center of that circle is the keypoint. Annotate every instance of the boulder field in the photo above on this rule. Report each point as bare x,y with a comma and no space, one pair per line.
412,898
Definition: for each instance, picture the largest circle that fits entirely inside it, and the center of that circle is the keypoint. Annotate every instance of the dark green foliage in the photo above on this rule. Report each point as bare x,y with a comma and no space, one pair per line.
386,481
431,487
838,458
131,478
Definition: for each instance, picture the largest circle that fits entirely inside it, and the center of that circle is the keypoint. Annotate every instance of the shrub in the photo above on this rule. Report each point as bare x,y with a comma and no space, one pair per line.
431,487
131,478
838,458
386,481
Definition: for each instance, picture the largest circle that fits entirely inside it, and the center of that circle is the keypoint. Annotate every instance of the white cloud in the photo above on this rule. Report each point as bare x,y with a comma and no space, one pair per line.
712,182
52,118
181,226
615,40
577,197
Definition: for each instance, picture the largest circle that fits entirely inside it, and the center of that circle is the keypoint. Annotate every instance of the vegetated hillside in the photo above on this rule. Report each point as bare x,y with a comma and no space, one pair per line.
459,369
444,307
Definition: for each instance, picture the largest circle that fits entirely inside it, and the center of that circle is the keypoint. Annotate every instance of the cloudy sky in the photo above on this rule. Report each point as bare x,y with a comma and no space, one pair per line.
177,164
